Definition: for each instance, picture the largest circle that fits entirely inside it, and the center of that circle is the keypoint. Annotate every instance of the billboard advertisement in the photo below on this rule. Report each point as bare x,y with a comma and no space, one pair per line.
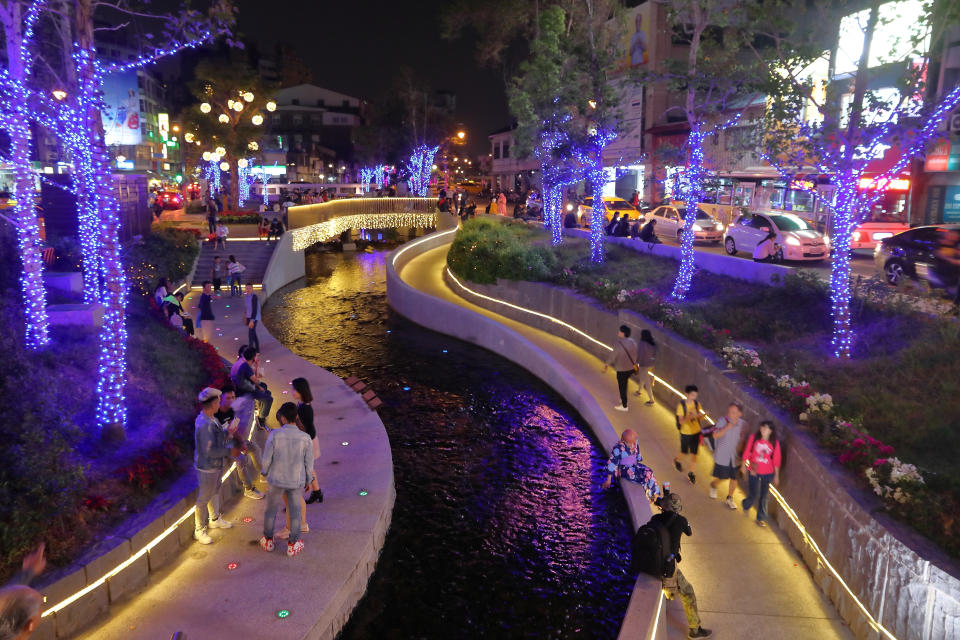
163,124
629,34
121,109
951,205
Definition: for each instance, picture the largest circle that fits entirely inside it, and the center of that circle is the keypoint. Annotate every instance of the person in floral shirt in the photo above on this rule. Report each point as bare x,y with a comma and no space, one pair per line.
625,462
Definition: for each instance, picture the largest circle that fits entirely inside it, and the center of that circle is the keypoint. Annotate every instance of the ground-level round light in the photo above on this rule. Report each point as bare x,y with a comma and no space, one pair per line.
233,566
224,166
283,613
257,119
205,107
362,492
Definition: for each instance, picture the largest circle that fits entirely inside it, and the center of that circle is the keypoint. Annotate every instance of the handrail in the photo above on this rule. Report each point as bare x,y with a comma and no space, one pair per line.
313,223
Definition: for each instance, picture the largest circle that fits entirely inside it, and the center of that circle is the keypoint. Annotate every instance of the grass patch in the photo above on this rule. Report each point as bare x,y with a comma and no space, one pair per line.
898,397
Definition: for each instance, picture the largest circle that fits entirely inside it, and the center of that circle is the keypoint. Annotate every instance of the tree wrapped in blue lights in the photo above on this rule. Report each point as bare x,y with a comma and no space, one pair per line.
810,130
419,166
245,179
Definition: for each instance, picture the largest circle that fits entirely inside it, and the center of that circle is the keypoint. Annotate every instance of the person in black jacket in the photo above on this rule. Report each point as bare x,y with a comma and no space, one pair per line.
205,318
676,584
648,234
623,227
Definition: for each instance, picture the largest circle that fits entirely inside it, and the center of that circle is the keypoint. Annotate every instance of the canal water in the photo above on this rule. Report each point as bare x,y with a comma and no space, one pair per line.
500,529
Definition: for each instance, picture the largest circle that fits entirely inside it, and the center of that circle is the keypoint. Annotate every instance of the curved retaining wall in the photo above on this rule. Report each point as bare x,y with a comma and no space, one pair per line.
451,319
885,571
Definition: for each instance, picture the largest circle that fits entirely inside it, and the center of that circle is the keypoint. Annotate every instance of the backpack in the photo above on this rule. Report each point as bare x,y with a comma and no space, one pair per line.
651,551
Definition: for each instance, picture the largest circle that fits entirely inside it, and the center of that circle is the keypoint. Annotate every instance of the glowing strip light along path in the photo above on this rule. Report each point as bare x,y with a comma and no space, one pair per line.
787,509
143,550
323,231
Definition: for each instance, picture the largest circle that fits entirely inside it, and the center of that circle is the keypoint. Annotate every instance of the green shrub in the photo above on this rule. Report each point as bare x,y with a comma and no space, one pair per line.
166,253
484,251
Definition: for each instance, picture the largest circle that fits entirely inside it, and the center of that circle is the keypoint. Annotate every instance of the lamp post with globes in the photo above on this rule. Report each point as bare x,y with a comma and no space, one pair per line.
225,128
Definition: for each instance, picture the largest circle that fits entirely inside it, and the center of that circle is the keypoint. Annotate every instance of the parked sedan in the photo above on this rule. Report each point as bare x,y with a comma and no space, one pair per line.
670,224
911,254
610,205
797,239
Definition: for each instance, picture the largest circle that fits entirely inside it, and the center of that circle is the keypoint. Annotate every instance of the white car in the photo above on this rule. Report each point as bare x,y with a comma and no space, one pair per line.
670,224
797,239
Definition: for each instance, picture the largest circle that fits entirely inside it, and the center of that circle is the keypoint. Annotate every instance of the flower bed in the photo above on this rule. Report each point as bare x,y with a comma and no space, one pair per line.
778,338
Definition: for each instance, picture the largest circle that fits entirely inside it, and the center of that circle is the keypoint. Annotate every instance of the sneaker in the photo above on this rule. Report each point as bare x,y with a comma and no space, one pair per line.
731,504
200,535
283,534
266,543
699,632
713,493
649,403
619,407
220,523
293,548
677,466
253,494
761,523
692,478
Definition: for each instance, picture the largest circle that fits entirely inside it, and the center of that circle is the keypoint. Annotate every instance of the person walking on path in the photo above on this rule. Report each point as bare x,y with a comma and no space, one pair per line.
249,461
727,434
676,584
688,415
234,269
211,208
251,315
210,453
205,318
288,466
646,357
216,274
761,463
625,462
623,358
222,233
303,396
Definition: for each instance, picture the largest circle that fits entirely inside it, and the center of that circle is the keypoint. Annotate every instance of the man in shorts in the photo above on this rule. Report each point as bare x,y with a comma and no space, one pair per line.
688,415
727,434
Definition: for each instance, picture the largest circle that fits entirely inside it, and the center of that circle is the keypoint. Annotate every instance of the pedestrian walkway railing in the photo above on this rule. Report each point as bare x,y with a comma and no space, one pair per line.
314,223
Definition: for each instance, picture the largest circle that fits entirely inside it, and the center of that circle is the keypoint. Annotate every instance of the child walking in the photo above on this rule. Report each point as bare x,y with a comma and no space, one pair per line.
761,460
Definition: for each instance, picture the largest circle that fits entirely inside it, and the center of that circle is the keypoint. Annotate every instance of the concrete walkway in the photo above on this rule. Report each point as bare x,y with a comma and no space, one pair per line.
750,582
205,596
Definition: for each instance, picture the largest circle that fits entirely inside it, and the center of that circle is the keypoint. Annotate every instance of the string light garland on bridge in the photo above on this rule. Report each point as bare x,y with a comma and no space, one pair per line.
323,231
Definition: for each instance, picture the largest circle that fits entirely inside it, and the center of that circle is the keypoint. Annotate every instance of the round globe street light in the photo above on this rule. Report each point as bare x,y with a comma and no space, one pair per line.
224,166
220,151
205,107
242,162
257,119
188,136
238,106
230,103
224,118
247,96
252,145
271,105
206,156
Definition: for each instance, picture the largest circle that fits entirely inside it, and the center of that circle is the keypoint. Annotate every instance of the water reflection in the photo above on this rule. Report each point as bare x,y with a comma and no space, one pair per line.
499,529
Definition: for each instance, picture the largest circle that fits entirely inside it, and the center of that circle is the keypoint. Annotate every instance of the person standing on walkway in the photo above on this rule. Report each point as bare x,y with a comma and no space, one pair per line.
211,210
761,463
688,416
676,584
222,233
646,357
205,318
234,269
303,396
624,361
210,453
625,462
248,461
727,434
502,203
288,466
216,274
251,315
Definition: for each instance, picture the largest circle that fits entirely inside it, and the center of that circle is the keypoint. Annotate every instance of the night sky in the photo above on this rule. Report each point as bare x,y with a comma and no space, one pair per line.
354,47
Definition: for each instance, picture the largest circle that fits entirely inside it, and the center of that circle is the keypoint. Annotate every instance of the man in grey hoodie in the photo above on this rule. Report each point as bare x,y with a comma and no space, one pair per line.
288,466
624,361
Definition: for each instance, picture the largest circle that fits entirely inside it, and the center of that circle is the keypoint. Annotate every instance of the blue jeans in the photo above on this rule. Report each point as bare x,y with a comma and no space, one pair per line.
252,338
235,289
274,500
249,464
208,498
759,487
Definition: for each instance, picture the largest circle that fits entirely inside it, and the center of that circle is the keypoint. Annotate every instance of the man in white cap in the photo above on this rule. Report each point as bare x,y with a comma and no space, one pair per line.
211,454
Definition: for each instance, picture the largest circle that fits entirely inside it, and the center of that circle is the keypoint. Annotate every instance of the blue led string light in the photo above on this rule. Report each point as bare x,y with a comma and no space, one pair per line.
243,183
419,166
366,175
692,189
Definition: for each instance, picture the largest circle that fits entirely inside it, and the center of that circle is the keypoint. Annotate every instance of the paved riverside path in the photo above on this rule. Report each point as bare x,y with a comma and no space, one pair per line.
196,593
749,581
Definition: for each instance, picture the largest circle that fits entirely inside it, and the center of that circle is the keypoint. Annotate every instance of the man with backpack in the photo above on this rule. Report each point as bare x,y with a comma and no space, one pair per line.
688,415
656,552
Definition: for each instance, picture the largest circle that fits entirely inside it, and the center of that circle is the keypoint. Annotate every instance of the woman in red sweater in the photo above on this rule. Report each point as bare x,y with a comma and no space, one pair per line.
761,460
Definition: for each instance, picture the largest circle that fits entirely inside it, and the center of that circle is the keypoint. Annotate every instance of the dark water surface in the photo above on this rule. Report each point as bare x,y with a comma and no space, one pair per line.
499,529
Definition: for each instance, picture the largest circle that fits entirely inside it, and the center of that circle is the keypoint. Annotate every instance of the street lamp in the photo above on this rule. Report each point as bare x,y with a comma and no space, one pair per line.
224,118
461,134
271,106
257,120
248,97
205,107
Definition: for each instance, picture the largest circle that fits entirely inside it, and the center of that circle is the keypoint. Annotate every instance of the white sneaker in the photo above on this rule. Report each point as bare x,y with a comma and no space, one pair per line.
713,493
731,504
253,494
620,407
200,535
220,523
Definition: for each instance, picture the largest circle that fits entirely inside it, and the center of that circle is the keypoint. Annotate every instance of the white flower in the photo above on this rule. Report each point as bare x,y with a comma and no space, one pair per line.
803,417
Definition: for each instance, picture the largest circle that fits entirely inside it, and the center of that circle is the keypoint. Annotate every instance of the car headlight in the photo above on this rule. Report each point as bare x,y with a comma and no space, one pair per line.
696,227
569,207
792,241
719,226
826,240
